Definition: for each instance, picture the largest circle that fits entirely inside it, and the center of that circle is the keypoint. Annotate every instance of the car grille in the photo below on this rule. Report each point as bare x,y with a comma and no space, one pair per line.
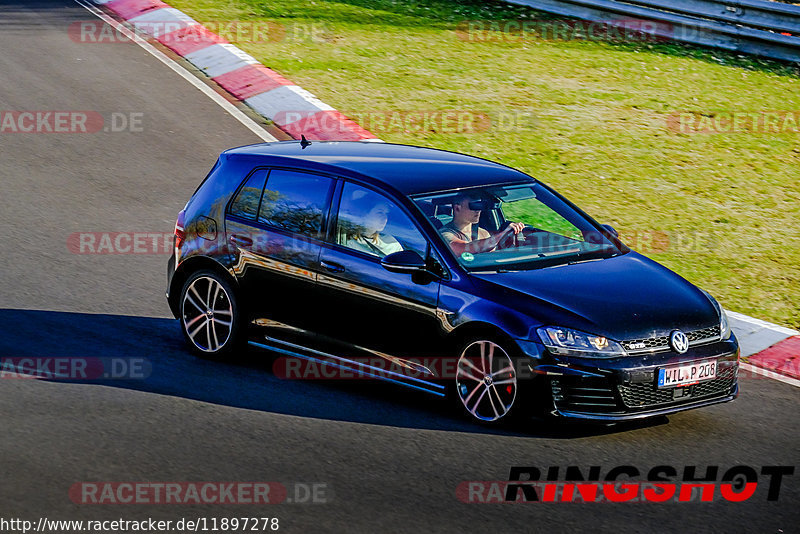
722,384
646,395
602,396
653,343
712,332
593,395
661,343
640,395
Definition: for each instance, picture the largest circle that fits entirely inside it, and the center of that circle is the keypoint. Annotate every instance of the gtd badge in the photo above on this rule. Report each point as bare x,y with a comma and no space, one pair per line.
679,341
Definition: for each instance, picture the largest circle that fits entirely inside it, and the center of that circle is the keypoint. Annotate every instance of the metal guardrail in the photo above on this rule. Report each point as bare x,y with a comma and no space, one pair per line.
758,27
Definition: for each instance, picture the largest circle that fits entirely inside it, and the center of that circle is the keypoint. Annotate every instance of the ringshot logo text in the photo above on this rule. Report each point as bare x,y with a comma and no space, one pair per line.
629,484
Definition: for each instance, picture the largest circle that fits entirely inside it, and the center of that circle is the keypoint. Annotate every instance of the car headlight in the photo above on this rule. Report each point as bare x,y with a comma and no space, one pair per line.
724,323
575,343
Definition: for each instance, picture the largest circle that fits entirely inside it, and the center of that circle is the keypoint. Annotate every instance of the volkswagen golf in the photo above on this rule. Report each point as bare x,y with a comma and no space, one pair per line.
441,272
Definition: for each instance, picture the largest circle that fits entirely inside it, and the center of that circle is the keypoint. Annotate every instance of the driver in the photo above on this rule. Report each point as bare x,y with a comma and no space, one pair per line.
463,233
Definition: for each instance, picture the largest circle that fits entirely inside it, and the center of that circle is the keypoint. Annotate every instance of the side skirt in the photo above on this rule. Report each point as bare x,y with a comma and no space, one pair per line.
338,362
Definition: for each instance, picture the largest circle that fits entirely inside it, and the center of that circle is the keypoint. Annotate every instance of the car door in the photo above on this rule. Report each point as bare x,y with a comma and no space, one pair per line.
363,304
275,225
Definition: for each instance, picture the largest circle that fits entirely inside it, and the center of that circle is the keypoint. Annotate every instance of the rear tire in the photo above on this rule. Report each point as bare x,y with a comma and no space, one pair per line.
210,316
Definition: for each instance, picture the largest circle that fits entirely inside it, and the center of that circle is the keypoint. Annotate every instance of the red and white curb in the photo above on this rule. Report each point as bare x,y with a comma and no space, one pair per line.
293,109
766,349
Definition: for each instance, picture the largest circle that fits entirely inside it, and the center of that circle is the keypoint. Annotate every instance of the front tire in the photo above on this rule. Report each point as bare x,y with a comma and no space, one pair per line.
209,315
486,384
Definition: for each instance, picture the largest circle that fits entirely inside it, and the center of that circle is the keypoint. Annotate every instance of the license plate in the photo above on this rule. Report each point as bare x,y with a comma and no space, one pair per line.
686,374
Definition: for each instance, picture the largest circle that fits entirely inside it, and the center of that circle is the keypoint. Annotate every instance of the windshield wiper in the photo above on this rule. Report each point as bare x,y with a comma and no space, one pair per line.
582,256
579,260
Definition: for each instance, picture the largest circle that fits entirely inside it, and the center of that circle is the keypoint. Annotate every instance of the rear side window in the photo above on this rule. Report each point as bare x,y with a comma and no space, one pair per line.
295,201
371,223
245,205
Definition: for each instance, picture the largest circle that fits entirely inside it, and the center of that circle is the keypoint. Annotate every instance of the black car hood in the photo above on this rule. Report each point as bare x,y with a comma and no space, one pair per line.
624,297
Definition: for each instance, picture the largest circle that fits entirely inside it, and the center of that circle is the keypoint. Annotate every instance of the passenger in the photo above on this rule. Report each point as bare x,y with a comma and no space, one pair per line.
369,215
463,233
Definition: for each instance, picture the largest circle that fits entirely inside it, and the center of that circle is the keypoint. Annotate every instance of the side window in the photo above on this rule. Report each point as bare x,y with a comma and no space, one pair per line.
245,204
295,201
369,222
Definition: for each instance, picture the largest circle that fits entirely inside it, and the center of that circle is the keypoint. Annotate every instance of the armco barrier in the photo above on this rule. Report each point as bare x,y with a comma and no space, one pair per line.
757,27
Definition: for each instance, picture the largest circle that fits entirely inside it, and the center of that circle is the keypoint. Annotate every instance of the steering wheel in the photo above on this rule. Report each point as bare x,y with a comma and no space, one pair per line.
517,240
508,241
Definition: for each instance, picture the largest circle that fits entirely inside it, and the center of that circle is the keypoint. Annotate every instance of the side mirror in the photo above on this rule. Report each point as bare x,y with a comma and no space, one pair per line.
611,229
404,261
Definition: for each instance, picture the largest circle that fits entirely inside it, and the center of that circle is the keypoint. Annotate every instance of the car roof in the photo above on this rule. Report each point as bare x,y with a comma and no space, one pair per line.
408,169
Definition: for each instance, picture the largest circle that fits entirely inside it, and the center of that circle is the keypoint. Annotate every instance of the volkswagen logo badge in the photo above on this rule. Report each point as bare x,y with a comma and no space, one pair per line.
679,341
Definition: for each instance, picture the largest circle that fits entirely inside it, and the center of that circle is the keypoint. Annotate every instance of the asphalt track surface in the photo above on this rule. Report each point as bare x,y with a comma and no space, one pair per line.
391,460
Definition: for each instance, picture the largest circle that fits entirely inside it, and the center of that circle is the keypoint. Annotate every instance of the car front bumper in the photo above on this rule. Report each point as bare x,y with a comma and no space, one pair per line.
617,417
626,388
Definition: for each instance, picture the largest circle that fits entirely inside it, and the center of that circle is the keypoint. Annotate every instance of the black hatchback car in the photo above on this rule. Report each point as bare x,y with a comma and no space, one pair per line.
442,272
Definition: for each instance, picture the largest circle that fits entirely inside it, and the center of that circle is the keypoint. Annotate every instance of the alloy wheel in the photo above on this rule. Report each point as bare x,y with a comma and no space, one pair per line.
207,314
486,380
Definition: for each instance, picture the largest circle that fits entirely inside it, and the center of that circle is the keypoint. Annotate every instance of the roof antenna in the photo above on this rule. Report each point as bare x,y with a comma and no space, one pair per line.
304,142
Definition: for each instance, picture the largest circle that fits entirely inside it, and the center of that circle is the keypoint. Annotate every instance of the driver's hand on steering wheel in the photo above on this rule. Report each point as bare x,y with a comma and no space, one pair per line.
515,227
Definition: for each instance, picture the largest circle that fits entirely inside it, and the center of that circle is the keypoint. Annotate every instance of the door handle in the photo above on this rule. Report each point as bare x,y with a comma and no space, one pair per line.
332,267
241,240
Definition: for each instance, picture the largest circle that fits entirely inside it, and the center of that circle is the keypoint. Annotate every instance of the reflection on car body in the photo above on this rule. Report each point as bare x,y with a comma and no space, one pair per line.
335,253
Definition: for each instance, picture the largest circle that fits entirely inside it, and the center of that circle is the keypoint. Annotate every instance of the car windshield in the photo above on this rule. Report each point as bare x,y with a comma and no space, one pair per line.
473,222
